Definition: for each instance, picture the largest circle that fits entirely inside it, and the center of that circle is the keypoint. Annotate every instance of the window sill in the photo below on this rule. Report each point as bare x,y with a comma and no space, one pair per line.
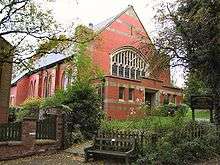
121,100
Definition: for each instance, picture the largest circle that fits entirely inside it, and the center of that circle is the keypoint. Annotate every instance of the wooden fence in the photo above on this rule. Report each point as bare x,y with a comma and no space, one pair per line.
10,132
143,137
46,129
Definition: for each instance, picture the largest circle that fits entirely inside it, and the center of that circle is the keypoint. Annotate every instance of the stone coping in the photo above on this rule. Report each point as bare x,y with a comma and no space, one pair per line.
11,143
45,141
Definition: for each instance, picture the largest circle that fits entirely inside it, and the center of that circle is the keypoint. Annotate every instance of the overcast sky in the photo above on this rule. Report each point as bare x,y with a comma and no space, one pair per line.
95,11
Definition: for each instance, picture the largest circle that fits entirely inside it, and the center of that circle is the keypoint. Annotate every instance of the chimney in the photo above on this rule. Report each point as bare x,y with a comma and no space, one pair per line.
91,25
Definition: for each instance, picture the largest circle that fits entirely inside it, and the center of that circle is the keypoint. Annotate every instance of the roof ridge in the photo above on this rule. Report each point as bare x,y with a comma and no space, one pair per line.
110,20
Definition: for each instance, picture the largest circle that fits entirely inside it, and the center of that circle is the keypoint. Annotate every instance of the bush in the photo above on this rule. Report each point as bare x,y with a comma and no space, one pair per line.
86,108
182,145
182,110
54,101
30,108
12,113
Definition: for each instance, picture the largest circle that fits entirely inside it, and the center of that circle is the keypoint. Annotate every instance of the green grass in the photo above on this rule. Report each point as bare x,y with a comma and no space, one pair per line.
149,123
153,122
201,114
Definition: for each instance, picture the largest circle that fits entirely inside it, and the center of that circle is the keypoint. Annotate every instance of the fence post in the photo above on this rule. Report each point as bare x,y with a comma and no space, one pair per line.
60,124
28,132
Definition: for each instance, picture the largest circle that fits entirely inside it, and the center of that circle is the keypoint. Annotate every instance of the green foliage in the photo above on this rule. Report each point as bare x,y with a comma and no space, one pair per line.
81,97
166,110
194,86
190,35
30,108
56,100
12,113
55,43
85,104
182,145
182,110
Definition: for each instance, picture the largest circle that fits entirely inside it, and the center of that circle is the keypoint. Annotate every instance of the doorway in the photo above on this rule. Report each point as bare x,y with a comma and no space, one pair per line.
150,97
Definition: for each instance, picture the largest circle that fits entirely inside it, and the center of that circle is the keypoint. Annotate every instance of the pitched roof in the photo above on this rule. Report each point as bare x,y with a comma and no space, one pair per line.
44,61
53,58
104,24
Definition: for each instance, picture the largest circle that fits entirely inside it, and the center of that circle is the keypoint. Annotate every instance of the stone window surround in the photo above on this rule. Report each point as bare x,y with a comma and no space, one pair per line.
128,58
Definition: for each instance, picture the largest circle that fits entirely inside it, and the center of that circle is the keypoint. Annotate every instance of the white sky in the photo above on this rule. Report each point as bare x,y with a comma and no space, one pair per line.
95,11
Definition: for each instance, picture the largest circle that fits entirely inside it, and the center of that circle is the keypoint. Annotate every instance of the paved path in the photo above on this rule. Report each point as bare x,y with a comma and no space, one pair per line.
78,149
61,158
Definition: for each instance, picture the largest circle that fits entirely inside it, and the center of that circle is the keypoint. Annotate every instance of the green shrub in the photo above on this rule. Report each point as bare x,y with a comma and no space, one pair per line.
54,101
30,108
182,145
182,110
86,108
12,113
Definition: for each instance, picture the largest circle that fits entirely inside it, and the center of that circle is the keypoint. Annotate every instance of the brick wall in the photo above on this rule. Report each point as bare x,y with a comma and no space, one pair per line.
5,81
28,144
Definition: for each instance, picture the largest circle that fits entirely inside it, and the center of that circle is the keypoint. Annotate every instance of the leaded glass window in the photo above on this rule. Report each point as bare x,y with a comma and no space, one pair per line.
128,63
143,73
138,74
121,71
127,72
114,69
132,73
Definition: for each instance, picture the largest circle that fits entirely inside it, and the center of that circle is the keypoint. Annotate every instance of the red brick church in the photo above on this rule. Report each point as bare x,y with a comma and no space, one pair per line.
127,81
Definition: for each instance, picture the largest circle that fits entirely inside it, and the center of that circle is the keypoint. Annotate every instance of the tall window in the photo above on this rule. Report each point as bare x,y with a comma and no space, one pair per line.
131,94
31,89
45,90
114,69
121,93
49,85
66,80
128,63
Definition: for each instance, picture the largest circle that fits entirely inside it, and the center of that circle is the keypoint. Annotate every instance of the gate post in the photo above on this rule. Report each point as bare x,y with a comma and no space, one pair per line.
28,135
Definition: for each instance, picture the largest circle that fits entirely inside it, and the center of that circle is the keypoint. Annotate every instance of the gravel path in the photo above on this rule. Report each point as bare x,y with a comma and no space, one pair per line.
52,159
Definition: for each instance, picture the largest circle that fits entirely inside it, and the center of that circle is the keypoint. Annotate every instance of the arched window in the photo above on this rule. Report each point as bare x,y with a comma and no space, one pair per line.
64,81
128,63
34,87
45,90
49,85
31,89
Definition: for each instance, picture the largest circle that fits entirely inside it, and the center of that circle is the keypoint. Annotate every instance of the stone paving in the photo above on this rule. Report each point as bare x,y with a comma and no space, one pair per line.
78,149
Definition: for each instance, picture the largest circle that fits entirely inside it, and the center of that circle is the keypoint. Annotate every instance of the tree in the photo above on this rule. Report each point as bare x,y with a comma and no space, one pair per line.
190,33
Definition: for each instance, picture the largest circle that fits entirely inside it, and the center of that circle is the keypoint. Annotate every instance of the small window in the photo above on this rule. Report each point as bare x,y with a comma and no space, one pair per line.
121,93
131,94
174,99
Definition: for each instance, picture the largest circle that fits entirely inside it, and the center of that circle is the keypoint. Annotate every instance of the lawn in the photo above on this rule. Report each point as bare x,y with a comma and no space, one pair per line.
201,114
152,122
148,123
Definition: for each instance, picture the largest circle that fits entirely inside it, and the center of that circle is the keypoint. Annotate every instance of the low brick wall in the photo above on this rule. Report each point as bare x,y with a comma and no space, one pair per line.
29,145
